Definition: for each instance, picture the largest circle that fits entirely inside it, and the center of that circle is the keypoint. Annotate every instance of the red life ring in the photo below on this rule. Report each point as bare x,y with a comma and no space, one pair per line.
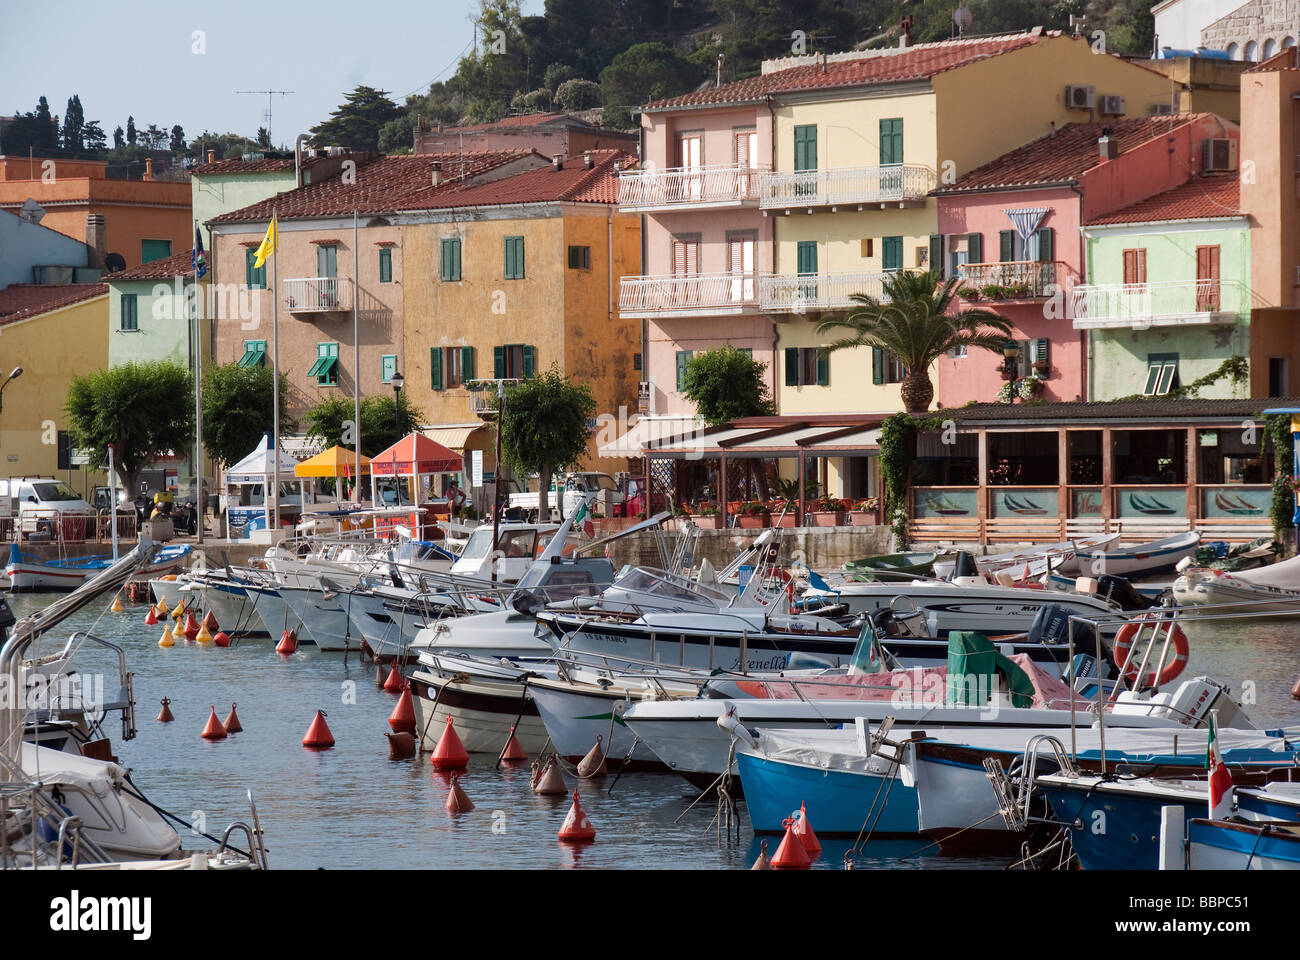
1124,642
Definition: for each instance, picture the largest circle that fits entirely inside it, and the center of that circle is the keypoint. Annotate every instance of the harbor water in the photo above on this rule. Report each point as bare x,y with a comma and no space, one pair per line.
351,807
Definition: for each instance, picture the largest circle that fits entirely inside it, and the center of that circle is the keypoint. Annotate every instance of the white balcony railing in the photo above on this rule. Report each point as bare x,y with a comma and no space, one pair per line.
896,183
1014,279
317,294
797,294
483,394
687,294
734,184
1164,303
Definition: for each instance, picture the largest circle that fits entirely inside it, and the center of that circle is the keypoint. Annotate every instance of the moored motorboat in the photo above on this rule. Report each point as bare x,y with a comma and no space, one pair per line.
29,572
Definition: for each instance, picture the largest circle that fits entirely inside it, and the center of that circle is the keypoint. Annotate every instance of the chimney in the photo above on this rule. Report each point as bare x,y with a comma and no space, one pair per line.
905,39
96,241
586,159
436,167
1052,131
1107,148
721,59
148,168
557,162
212,156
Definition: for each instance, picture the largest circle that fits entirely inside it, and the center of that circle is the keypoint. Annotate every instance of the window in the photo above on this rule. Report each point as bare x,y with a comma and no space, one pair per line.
325,369
451,258
151,250
254,354
891,141
867,247
1006,245
957,352
891,253
885,368
1162,374
1135,266
806,263
327,260
683,359
385,265
64,454
1207,279
579,258
746,147
387,367
690,150
805,147
450,366
514,258
686,256
740,258
1278,384
807,366
514,361
130,319
254,277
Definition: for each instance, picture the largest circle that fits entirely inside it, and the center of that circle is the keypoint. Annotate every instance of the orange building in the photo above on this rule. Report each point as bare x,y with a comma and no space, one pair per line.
144,220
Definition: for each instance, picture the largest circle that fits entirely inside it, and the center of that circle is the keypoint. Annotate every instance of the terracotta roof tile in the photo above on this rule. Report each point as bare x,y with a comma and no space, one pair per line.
1217,195
177,265
19,301
1065,156
573,182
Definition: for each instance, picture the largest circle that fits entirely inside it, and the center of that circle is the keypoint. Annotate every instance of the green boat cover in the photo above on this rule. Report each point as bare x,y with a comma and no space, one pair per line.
973,661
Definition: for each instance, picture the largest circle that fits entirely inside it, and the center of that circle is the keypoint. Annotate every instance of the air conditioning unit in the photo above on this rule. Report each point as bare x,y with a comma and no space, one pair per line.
1112,106
1079,97
1161,110
1220,155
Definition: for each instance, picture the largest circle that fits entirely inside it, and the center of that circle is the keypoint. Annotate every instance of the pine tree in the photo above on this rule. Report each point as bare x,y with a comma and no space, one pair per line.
357,123
130,130
178,140
118,140
74,122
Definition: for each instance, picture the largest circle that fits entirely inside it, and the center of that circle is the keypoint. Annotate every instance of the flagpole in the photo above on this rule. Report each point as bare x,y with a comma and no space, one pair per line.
198,381
356,360
275,372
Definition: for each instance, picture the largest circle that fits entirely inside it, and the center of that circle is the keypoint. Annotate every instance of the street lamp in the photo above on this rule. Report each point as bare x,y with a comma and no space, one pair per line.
398,381
1011,351
17,372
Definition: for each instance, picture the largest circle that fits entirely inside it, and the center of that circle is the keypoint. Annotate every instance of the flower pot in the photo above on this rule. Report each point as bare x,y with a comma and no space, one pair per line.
711,521
825,518
753,521
784,520
859,518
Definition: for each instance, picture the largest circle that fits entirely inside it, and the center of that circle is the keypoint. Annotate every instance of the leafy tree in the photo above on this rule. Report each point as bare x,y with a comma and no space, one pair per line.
226,145
93,137
575,95
329,420
130,130
47,128
556,74
535,101
645,72
398,134
358,121
264,138
74,123
545,426
726,384
177,143
136,408
237,409
154,138
118,142
915,322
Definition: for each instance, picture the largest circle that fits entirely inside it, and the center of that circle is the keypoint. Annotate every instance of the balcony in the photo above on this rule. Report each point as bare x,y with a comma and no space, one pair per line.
802,294
1015,279
483,396
317,294
688,188
897,185
688,295
1165,303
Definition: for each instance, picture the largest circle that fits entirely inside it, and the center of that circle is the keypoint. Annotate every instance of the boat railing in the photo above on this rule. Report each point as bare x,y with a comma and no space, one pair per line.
125,677
29,813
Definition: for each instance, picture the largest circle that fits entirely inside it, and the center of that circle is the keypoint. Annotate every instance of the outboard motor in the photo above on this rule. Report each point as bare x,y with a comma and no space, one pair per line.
1051,626
964,566
1119,590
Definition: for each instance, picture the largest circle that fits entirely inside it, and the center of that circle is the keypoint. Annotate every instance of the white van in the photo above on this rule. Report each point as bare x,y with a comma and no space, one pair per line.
38,501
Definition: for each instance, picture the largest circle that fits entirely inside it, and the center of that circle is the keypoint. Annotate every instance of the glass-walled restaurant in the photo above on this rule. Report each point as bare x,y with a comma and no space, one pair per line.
992,479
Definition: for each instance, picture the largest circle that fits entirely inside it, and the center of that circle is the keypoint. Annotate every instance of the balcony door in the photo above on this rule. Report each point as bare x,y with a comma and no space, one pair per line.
686,269
1207,279
747,161
740,252
690,158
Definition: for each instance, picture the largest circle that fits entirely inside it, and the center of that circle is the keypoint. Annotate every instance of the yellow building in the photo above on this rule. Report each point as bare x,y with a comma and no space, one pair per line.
53,332
515,276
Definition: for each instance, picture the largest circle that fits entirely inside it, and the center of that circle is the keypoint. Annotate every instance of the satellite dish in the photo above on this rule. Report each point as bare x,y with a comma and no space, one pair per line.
961,18
114,262
32,211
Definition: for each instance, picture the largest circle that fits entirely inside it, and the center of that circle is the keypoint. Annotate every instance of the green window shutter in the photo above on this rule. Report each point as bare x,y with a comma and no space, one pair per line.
1041,350
130,318
499,362
385,265
514,258
891,141
327,261
249,259
792,366
450,259
1046,244
1006,245
466,364
891,249
807,258
683,358
805,147
936,253
974,248
151,250
435,368
530,361
877,365
443,272
510,258
823,368
387,367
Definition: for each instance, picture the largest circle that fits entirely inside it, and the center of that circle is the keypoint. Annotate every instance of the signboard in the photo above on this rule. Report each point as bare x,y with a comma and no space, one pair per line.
79,458
476,468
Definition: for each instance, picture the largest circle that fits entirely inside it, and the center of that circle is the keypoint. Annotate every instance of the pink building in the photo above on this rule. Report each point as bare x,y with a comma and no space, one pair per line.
1011,230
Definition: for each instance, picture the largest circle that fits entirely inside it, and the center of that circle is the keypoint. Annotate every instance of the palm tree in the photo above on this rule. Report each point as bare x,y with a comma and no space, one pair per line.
915,322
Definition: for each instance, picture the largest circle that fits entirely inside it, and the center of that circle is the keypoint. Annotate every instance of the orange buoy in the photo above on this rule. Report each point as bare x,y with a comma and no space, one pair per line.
117,604
214,730
191,626
1295,691
318,734
401,746
577,827
593,764
450,753
288,643
804,831
402,719
232,723
763,862
790,855
512,751
151,618
395,681
550,783
457,801
222,639
210,621
166,639
165,714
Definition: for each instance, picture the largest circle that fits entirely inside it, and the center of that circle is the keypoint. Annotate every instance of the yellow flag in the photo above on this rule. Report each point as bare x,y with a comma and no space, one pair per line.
269,244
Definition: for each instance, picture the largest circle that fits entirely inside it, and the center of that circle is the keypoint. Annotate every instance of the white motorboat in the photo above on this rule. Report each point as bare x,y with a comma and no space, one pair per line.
1272,590
1061,557
1141,559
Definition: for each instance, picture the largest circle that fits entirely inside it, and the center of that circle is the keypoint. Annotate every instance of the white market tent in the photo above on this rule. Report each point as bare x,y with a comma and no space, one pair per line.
258,467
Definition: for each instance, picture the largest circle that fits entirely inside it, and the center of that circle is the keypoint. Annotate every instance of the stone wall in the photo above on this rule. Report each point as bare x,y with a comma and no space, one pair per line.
820,548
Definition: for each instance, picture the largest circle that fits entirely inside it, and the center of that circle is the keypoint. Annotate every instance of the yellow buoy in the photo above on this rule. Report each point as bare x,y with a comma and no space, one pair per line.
117,604
179,611
160,609
166,640
203,636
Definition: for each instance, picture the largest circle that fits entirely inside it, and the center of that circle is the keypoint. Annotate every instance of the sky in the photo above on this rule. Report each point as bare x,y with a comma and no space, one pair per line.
127,58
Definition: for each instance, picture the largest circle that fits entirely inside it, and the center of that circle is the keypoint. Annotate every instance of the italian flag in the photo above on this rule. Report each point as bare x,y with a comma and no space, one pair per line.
1220,780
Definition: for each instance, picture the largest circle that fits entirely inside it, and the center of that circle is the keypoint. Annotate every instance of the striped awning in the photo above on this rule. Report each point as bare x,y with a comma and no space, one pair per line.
453,436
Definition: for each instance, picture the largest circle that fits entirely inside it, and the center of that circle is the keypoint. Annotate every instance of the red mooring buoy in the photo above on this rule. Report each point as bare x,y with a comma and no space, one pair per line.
288,643
151,618
457,801
804,831
210,621
222,639
763,862
1295,691
165,714
790,855
318,734
512,752
232,723
395,682
450,753
214,730
577,827
191,626
402,719
401,746
551,782
592,766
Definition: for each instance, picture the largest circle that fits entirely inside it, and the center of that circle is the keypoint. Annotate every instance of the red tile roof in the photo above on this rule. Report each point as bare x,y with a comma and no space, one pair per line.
265,165
177,265
573,182
19,301
1217,195
380,186
919,62
1063,157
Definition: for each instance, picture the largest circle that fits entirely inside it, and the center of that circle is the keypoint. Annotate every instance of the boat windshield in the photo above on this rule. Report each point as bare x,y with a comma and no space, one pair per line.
55,491
667,587
478,545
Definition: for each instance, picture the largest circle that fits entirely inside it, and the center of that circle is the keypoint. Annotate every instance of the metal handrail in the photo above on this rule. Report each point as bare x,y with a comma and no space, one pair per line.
846,185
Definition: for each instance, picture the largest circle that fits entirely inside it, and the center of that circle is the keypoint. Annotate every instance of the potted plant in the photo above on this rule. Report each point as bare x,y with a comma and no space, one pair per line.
826,512
706,517
993,291
1006,394
1016,291
787,492
752,516
968,293
864,513
1028,387
783,513
1041,368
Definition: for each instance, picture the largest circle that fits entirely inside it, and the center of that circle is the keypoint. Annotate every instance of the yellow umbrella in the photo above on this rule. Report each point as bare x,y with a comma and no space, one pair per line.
336,462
